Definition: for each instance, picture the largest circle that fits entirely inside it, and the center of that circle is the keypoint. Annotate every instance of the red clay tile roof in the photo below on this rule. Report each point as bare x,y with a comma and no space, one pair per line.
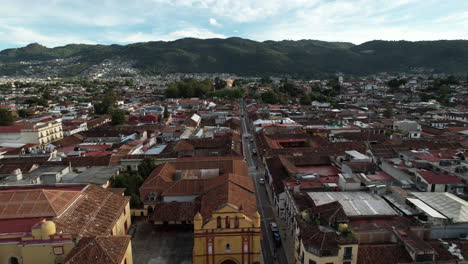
93,214
238,192
10,129
383,254
190,101
88,161
174,211
162,177
18,225
183,145
433,178
18,203
185,187
99,250
26,160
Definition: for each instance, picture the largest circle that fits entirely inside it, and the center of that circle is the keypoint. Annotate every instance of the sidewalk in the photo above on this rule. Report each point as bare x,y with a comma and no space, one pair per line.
287,240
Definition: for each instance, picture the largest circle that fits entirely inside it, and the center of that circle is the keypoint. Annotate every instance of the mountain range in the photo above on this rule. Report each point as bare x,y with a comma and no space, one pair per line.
244,57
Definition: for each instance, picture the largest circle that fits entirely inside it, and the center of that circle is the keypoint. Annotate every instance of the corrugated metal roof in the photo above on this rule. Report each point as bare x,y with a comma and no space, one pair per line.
447,204
426,208
355,203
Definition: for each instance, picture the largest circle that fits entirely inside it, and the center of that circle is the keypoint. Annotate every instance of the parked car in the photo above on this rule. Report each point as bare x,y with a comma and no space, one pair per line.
275,232
274,227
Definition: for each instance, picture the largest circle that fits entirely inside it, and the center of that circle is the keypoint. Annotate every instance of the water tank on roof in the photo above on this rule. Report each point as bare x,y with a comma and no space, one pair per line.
342,227
47,229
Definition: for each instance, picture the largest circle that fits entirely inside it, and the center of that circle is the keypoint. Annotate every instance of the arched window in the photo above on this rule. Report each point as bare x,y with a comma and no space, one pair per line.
218,222
228,222
14,260
228,248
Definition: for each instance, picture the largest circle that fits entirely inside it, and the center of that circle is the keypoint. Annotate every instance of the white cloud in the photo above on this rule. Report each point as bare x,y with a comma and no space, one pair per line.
193,32
24,36
185,32
121,21
213,22
359,21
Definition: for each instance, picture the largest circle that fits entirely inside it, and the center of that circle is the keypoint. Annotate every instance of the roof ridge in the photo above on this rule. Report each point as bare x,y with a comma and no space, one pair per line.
104,200
83,248
239,184
51,197
104,249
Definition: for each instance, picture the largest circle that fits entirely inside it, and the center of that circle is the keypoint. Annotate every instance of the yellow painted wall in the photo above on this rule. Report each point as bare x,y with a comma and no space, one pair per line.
119,227
128,255
137,212
33,253
220,237
323,260
44,253
7,251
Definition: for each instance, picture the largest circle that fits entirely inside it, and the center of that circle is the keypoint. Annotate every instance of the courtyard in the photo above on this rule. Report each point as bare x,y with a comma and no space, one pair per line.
161,245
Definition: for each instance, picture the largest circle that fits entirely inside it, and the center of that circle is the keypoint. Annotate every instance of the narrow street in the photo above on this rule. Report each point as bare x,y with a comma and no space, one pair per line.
256,171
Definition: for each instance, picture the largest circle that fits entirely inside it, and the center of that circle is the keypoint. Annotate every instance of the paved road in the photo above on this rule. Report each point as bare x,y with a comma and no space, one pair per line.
263,203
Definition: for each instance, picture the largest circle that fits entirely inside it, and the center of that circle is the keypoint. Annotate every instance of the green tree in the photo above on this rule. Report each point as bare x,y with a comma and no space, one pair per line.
107,104
219,83
270,97
22,112
131,183
172,92
146,166
5,117
388,113
118,118
36,101
46,95
189,88
166,113
239,82
290,88
395,84
266,81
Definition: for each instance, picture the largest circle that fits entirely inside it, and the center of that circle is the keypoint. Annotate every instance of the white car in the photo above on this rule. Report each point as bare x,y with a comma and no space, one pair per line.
274,227
261,181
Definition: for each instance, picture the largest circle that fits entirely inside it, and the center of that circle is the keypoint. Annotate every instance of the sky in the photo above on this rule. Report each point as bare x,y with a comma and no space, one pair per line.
59,22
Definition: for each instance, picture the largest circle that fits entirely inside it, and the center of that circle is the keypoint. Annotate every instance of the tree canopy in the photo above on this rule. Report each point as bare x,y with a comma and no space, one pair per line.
270,97
107,105
247,57
118,117
6,119
188,88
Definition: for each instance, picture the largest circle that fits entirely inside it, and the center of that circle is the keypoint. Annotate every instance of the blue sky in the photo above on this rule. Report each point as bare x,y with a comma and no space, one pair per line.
60,22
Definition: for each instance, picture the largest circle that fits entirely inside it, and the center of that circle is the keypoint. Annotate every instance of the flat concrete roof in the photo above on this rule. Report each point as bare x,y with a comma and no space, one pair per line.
95,175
